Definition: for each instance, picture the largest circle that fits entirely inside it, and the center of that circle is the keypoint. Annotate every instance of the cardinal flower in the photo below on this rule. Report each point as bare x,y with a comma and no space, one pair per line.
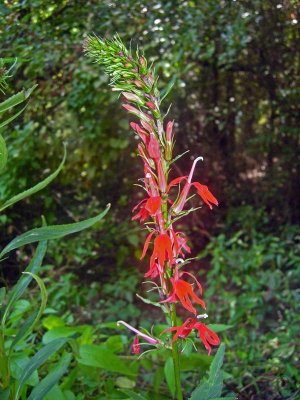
184,292
136,347
202,190
162,247
138,333
148,207
206,335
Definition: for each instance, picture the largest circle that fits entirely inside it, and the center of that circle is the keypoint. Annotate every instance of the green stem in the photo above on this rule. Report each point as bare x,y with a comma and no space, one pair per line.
175,355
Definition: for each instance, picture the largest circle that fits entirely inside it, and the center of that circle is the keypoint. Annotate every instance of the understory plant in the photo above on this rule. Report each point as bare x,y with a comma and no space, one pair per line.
19,373
165,203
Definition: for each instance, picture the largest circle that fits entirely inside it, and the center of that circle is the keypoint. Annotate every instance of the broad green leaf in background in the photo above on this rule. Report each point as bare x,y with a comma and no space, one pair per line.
133,396
169,375
51,232
46,384
24,281
219,327
37,360
100,357
211,388
3,153
39,186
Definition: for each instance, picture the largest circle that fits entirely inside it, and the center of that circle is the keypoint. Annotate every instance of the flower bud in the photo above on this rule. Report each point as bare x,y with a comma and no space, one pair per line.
151,105
153,147
133,97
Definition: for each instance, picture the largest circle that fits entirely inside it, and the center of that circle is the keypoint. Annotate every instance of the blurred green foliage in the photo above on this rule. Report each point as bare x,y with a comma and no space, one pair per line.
234,68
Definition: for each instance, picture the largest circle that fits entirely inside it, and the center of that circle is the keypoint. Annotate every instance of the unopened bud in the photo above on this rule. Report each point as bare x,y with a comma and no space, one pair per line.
133,97
169,130
153,148
142,61
151,105
138,83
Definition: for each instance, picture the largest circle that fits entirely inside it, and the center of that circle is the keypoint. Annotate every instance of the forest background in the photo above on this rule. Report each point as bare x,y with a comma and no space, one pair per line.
233,71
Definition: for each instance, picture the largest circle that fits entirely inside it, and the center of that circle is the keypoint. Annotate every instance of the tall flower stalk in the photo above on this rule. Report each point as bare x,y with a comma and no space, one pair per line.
165,201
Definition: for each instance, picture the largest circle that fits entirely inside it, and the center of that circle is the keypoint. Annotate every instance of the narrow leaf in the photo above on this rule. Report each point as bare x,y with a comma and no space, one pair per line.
10,119
25,328
211,388
3,153
168,88
37,360
16,99
51,379
39,186
44,295
133,396
169,375
24,281
51,232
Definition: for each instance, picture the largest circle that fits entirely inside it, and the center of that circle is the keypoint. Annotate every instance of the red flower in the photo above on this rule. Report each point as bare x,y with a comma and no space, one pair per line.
136,347
162,250
206,335
148,207
183,291
202,190
205,194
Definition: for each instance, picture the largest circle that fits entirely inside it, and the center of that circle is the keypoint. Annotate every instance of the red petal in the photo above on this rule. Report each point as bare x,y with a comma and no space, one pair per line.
146,245
176,181
205,194
153,204
195,279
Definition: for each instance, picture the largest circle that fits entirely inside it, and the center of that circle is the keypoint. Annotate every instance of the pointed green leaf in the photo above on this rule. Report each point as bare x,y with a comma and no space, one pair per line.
10,119
133,396
37,360
51,232
25,328
217,363
211,387
44,295
24,281
170,376
39,186
3,153
51,379
168,88
100,357
16,99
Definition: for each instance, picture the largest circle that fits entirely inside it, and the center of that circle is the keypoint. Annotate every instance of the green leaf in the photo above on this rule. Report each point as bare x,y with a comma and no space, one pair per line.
16,99
3,153
219,327
44,295
100,357
24,281
211,388
64,331
51,232
4,394
170,376
26,327
39,186
55,393
51,379
168,88
10,119
37,360
133,396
